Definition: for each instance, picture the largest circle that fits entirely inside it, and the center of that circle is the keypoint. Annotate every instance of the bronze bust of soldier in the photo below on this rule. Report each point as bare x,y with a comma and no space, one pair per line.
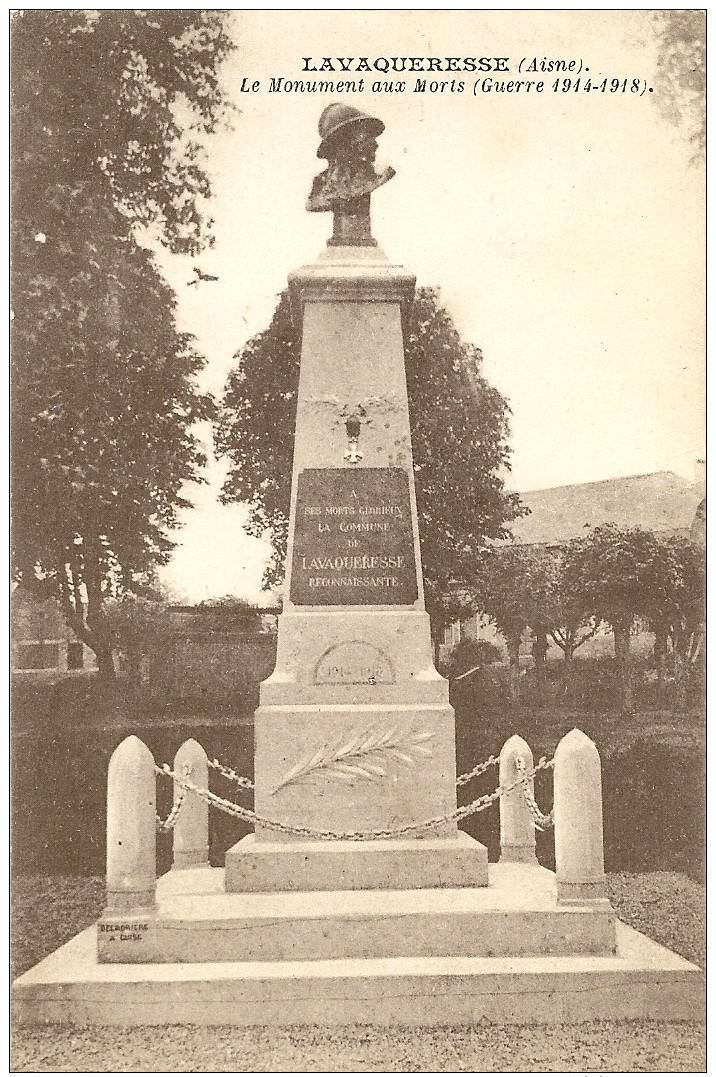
348,143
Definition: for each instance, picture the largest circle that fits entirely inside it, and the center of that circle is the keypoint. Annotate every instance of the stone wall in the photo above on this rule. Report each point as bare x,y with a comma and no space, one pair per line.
209,669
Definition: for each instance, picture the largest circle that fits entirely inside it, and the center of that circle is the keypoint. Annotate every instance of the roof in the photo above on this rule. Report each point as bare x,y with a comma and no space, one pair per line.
660,501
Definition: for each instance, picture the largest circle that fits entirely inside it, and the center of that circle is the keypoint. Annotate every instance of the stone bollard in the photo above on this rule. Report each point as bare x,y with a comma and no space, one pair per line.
578,838
517,830
131,828
191,830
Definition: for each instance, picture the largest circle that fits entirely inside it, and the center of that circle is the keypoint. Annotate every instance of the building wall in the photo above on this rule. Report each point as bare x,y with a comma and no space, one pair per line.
210,654
208,668
42,644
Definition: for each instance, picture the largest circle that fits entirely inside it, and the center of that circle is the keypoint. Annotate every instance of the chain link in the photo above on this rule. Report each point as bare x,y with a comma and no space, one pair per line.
171,820
463,779
231,774
246,783
437,821
540,820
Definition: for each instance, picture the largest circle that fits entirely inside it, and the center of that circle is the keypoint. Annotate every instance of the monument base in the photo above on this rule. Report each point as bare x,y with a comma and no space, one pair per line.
257,866
507,953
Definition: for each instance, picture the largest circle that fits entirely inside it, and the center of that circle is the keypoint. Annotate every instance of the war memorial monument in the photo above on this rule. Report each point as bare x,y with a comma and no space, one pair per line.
357,898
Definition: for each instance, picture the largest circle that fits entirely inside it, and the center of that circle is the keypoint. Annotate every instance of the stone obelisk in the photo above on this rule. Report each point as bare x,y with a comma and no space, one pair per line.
354,732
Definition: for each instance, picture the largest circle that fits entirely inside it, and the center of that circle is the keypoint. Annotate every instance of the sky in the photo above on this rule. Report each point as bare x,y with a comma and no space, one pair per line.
565,232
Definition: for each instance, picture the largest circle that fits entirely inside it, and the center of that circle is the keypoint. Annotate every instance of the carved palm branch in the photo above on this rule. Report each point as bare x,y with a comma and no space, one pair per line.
365,756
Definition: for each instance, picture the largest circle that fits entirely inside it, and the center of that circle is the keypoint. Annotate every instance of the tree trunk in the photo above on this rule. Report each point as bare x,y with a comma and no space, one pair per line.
539,653
660,648
564,639
513,650
679,677
105,662
96,623
622,639
70,597
567,667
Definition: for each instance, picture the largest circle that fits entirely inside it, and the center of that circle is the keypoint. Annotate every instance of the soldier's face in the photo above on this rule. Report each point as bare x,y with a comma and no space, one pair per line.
365,146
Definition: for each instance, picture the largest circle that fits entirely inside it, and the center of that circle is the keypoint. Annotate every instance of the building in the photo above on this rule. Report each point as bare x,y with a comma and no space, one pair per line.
205,645
661,501
42,644
209,656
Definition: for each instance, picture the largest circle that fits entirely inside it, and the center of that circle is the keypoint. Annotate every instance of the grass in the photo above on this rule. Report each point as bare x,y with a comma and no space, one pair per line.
667,906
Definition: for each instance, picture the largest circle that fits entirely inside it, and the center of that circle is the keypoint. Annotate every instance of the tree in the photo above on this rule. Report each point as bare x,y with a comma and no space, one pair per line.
117,102
107,112
460,434
136,623
254,429
611,570
681,96
514,589
688,611
459,426
470,655
675,607
570,625
521,587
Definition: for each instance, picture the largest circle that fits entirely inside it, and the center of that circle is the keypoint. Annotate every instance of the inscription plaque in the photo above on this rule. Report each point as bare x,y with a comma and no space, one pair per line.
353,538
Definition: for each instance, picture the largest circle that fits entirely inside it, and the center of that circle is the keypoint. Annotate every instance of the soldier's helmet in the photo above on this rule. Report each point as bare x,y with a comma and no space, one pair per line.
337,117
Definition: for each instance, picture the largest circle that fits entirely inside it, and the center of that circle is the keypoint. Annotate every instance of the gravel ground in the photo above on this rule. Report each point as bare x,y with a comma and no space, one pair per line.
604,1045
667,906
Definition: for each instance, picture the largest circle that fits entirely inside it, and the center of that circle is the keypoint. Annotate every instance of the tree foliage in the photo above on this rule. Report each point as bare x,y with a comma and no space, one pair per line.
675,609
461,451
107,110
561,613
515,588
459,426
526,587
470,655
135,623
621,576
610,572
681,96
117,103
675,589
255,428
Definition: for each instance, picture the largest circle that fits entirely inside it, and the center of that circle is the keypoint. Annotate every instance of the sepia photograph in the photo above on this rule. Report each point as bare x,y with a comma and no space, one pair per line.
358,540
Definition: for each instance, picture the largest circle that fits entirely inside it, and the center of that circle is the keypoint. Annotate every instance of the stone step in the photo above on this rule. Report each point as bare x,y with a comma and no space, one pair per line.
515,916
264,866
641,981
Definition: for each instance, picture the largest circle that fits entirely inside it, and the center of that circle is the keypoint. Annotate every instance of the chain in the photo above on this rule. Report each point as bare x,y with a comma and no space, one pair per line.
239,812
541,821
246,783
463,779
231,774
171,820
